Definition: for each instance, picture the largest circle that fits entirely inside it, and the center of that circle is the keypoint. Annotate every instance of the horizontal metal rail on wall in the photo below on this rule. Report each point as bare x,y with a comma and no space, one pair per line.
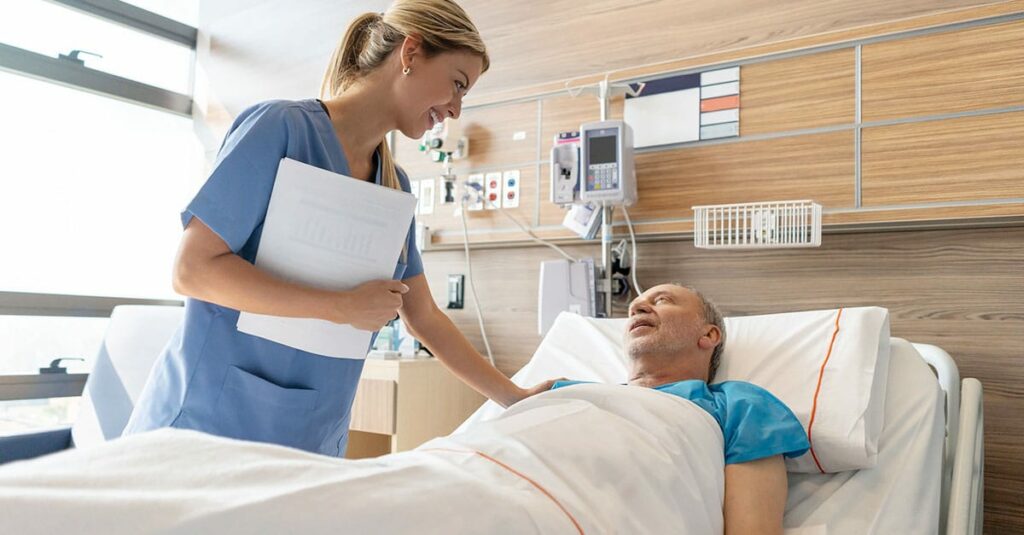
82,306
41,386
77,76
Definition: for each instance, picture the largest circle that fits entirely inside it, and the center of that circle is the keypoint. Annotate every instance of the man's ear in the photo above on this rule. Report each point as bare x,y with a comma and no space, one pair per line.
712,335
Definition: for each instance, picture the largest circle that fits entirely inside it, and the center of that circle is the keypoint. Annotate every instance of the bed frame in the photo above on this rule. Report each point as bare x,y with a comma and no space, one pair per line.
963,463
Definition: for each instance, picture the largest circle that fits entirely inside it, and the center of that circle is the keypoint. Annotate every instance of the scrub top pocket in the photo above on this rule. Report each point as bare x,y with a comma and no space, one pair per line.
252,408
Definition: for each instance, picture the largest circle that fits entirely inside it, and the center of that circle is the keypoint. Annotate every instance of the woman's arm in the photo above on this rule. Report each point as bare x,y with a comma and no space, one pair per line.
755,496
435,330
205,268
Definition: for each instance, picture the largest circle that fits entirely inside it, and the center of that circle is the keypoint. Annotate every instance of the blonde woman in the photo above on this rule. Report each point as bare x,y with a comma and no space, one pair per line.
405,69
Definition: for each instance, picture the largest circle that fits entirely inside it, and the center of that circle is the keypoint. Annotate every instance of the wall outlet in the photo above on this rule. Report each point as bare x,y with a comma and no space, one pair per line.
492,190
510,189
475,190
426,203
456,291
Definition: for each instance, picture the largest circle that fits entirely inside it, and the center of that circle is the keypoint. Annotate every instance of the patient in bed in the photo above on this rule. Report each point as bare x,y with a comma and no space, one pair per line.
582,459
674,338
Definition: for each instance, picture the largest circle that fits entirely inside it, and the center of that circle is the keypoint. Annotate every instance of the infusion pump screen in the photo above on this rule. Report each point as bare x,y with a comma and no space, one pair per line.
601,150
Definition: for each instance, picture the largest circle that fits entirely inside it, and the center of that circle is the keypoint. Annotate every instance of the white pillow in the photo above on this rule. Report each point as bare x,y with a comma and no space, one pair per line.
768,349
136,336
786,354
577,348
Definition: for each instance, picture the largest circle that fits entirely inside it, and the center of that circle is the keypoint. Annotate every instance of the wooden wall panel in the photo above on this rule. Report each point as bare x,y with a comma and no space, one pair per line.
818,167
540,42
959,289
492,134
254,50
964,159
796,93
966,70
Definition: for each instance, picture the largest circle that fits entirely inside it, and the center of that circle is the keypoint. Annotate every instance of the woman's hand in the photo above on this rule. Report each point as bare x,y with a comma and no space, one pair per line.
523,393
367,307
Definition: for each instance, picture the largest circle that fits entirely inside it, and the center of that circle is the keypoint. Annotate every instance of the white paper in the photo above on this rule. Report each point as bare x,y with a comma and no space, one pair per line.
665,118
329,231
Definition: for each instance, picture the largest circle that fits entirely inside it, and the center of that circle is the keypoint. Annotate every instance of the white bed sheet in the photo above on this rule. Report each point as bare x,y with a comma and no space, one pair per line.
593,459
901,494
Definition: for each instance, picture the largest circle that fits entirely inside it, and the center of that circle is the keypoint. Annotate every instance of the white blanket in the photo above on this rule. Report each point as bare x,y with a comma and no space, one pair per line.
589,458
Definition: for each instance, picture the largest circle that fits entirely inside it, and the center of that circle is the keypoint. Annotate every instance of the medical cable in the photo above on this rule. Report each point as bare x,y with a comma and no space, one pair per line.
472,283
533,236
632,239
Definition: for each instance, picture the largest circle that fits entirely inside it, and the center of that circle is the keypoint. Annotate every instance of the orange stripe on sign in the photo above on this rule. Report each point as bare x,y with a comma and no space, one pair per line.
536,485
817,390
720,103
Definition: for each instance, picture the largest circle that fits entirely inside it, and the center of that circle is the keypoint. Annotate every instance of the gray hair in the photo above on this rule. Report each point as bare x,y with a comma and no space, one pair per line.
713,316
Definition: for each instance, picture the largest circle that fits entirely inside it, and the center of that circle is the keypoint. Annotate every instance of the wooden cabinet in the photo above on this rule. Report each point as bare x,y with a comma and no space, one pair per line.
401,404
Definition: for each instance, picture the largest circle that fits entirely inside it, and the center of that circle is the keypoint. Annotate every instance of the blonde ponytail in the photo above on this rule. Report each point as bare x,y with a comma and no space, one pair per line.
371,37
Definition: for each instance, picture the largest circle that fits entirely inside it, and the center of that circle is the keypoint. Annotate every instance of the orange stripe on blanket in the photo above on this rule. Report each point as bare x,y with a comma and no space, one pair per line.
817,390
536,485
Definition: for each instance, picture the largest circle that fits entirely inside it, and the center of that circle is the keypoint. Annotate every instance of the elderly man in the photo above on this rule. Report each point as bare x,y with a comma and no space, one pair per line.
675,338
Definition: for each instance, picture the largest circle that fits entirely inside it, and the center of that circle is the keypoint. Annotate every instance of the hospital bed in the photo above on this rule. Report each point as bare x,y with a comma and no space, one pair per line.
931,443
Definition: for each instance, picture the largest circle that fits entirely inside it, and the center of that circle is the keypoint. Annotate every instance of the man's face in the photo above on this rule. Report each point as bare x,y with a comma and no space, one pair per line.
665,320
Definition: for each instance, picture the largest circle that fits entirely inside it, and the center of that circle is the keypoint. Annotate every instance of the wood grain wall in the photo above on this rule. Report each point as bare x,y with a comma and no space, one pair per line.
947,144
253,50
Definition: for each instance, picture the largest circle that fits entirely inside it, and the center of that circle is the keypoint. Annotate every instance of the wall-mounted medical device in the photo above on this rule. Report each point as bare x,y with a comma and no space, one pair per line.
445,141
565,168
606,163
565,286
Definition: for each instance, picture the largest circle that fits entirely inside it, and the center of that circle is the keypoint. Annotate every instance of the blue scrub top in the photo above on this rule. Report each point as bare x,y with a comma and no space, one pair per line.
213,378
755,424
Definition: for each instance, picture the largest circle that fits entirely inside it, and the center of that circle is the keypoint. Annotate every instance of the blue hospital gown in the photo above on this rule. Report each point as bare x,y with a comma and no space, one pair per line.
755,424
213,378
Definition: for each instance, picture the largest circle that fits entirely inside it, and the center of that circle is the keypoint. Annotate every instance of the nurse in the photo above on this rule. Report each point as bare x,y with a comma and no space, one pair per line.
405,69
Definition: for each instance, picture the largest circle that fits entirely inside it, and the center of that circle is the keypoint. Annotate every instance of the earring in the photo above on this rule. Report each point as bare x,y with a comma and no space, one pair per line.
406,71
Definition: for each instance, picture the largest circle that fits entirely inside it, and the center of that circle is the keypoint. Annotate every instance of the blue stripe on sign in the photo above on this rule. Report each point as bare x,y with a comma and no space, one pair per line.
667,85
720,130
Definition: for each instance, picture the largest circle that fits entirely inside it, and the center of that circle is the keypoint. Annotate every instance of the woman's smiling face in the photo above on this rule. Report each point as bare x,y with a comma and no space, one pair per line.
434,88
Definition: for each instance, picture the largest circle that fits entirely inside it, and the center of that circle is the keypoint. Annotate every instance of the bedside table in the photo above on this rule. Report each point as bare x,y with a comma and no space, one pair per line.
401,404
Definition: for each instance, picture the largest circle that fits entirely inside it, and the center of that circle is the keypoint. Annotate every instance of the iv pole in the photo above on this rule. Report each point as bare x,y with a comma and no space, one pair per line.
604,93
606,220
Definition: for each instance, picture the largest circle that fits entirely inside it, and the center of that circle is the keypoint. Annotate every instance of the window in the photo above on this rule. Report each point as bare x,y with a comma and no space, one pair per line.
96,162
51,29
30,414
90,191
28,343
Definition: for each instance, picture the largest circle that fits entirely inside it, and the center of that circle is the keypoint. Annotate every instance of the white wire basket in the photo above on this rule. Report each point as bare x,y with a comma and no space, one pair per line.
757,225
